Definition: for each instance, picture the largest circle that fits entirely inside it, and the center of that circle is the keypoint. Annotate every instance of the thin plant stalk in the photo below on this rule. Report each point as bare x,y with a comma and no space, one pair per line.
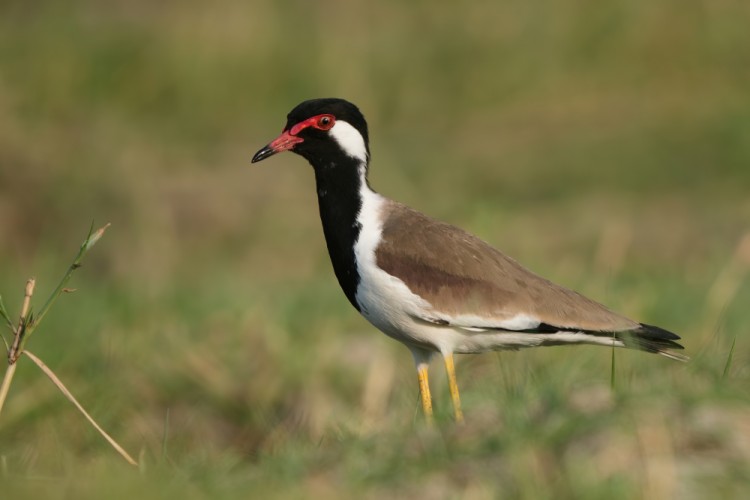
4,314
729,360
73,400
5,387
20,340
164,438
28,322
10,372
612,370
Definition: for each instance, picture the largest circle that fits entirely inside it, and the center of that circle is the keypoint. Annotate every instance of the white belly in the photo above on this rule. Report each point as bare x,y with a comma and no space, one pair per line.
387,303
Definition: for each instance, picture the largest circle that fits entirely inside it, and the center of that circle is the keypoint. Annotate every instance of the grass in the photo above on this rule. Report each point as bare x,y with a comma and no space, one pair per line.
603,145
29,321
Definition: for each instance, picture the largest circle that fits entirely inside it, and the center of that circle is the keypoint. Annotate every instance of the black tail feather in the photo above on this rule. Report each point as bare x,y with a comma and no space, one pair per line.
647,338
652,339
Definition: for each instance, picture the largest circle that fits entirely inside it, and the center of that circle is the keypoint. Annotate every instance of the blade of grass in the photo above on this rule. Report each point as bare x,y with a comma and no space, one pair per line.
47,371
165,437
27,324
30,326
729,360
612,367
5,314
89,242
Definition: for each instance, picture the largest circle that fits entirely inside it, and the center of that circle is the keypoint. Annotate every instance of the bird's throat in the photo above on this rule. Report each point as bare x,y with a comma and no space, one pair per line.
340,186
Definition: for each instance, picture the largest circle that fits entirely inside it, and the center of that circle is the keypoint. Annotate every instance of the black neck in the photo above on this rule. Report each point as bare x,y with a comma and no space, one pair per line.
339,183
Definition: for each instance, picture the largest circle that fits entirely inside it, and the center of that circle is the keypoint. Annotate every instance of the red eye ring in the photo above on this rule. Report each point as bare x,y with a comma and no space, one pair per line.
325,122
320,122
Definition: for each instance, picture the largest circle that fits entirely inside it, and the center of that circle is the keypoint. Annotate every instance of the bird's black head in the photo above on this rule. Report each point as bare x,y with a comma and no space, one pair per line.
321,130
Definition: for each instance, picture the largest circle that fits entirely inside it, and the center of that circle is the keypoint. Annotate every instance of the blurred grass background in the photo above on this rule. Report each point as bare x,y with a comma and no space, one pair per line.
604,144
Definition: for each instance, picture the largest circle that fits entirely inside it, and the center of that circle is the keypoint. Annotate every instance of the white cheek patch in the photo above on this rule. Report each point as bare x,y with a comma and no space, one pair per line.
349,139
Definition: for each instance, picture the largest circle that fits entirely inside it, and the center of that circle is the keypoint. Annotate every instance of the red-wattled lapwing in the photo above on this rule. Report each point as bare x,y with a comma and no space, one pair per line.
428,284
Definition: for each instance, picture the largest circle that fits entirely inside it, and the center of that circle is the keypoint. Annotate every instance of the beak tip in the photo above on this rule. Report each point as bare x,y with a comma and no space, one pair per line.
262,154
285,142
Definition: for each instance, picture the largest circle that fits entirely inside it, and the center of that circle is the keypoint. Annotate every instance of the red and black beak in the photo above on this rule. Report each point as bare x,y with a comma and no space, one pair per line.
284,142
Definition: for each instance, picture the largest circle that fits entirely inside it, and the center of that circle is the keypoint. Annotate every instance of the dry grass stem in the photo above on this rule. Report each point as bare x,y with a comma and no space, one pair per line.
5,387
23,322
18,334
26,325
47,371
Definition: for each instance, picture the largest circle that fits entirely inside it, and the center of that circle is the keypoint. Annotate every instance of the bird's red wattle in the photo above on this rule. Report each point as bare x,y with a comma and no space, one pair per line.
284,142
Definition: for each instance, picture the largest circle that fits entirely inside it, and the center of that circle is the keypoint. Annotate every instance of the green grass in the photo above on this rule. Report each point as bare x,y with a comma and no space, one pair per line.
605,145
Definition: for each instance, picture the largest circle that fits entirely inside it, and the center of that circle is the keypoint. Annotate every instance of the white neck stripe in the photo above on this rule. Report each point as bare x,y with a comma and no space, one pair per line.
349,139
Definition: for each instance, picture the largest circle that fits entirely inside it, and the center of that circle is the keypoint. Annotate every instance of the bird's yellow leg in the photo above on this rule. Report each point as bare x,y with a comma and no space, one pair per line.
424,390
453,386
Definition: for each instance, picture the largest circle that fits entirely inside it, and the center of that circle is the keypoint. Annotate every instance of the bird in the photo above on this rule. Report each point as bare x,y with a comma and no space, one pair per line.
430,285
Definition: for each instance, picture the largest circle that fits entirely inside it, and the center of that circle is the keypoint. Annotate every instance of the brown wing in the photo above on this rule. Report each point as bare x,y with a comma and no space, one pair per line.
459,275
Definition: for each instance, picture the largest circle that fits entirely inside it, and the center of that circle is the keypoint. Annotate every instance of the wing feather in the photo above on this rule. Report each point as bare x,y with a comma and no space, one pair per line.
471,285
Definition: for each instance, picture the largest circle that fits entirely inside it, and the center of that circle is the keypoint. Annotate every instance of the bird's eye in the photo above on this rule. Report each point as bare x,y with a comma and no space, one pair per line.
325,122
